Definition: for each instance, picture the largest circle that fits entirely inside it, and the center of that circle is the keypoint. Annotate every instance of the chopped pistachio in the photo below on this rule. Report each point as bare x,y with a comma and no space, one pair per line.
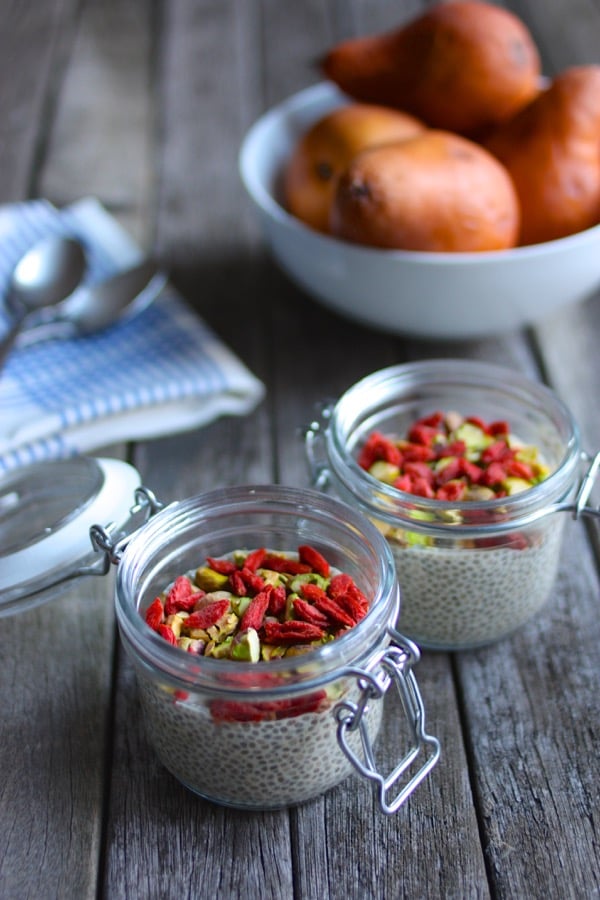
209,580
246,646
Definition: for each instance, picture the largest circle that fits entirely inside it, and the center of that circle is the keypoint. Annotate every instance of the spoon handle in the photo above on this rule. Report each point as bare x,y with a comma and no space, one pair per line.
8,339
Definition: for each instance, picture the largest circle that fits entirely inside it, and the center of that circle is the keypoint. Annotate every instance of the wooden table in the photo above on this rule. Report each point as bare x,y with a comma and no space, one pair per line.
144,105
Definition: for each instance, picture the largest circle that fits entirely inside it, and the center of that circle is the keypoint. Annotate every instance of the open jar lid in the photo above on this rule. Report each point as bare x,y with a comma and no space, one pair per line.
46,511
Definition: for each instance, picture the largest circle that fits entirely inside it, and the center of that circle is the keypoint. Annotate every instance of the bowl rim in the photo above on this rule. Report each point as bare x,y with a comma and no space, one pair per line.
323,92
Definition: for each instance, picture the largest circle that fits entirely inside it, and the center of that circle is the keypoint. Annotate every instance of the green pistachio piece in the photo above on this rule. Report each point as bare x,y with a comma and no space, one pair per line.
384,471
514,485
271,651
308,578
474,437
239,605
245,646
220,650
209,580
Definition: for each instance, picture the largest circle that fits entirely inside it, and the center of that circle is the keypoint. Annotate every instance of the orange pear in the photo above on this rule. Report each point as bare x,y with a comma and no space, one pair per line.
461,66
552,151
326,149
437,192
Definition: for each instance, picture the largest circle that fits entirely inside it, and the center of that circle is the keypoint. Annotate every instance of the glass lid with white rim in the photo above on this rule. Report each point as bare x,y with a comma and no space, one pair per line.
46,512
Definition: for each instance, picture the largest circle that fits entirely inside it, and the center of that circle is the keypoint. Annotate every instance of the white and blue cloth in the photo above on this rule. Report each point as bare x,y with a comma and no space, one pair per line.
159,372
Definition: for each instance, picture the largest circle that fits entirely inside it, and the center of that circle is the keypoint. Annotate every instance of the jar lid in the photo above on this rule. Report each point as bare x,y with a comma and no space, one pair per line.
46,511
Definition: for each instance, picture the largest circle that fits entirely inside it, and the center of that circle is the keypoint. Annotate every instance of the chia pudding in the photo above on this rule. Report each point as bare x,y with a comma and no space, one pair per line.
267,764
461,597
278,747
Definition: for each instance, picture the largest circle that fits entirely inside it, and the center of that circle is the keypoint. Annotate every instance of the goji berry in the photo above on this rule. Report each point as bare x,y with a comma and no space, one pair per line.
312,592
453,490
277,599
167,633
285,564
338,585
494,474
479,422
292,632
255,559
417,453
309,613
314,559
496,452
237,584
155,614
403,483
352,606
519,469
181,597
434,420
422,487
377,447
222,566
499,427
254,615
210,615
421,434
331,608
252,580
419,469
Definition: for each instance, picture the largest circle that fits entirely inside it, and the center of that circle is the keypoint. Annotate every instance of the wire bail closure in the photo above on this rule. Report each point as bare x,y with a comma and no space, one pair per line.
112,548
393,665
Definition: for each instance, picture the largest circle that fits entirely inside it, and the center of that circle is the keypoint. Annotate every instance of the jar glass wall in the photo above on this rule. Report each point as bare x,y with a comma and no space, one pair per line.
254,735
470,572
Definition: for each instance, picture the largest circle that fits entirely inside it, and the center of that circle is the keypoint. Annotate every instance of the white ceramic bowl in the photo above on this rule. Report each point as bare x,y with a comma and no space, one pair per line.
441,295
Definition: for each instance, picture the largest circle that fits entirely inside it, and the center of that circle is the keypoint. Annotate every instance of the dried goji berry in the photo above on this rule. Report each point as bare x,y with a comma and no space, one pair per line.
417,453
352,606
421,434
255,613
255,559
339,584
314,559
277,599
284,564
453,490
210,615
309,613
292,632
418,469
496,452
312,592
378,446
403,483
155,614
519,469
167,633
494,474
252,580
331,608
237,584
499,427
181,597
222,566
479,422
422,487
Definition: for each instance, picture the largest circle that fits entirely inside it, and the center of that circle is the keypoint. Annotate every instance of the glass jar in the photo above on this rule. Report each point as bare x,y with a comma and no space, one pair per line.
295,726
470,573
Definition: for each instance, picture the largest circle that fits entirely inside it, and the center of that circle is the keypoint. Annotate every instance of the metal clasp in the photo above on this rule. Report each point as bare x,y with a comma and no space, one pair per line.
112,547
580,507
393,665
313,440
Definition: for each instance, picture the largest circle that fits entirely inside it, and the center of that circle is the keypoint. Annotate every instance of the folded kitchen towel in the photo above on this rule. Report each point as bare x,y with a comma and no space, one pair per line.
158,372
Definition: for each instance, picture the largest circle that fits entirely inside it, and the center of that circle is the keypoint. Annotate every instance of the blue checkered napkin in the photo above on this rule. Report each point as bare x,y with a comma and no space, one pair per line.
159,372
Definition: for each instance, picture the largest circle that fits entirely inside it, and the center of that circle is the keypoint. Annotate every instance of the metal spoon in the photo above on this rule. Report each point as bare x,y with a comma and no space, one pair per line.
94,307
45,276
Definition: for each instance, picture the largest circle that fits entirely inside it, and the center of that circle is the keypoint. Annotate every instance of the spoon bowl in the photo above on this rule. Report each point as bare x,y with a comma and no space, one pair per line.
47,274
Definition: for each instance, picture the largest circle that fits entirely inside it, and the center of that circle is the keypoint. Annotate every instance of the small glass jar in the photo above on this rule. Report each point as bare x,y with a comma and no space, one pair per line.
474,572
300,723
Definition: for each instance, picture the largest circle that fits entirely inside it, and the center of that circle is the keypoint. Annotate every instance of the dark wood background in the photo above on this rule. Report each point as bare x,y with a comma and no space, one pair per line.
144,103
